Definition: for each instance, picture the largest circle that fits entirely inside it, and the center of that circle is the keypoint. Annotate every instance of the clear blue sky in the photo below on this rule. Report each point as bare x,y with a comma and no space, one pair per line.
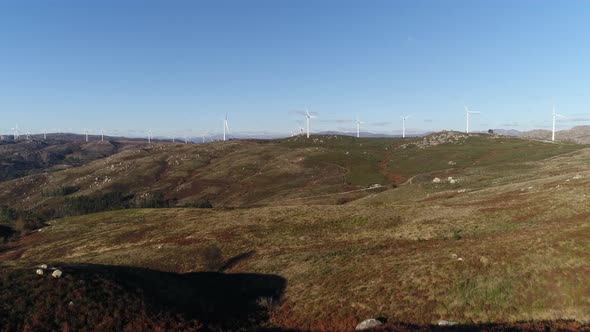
179,66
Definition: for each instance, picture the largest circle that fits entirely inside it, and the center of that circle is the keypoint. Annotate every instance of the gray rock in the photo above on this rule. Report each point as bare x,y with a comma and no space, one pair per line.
56,274
443,322
368,324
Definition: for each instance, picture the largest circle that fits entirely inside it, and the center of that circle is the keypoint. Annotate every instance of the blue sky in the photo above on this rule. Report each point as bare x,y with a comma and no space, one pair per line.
178,66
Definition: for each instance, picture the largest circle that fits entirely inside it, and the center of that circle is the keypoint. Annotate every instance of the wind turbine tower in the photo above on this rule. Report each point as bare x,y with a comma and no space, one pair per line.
358,127
307,117
86,132
467,114
555,115
225,127
404,118
150,136
15,135
102,135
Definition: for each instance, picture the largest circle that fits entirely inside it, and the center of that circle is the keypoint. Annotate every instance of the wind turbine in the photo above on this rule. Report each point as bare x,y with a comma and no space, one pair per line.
307,117
555,115
358,127
225,127
86,133
44,134
185,140
15,135
150,136
102,135
404,118
467,113
203,139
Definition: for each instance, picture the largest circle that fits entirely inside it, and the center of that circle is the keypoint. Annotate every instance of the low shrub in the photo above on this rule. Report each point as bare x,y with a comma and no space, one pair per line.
201,203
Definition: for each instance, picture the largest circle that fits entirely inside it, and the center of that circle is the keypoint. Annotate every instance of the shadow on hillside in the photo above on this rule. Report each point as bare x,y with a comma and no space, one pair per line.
215,299
235,260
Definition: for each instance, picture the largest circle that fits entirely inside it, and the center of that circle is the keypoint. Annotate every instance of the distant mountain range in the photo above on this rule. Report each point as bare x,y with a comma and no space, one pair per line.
579,134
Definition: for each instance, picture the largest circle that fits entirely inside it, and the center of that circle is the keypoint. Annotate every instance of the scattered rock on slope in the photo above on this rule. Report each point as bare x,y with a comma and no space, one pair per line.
368,324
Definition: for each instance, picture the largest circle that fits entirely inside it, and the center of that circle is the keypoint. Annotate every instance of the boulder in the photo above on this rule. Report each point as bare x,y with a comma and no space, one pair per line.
436,180
39,272
43,266
443,322
368,324
56,274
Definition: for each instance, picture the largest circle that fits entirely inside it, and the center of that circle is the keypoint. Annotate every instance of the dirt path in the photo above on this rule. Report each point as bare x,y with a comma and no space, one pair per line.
384,168
329,195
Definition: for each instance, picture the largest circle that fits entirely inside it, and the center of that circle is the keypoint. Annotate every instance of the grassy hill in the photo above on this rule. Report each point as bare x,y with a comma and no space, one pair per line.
322,170
26,157
507,242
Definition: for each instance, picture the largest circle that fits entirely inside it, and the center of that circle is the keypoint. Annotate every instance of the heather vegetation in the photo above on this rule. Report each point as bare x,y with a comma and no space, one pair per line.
484,230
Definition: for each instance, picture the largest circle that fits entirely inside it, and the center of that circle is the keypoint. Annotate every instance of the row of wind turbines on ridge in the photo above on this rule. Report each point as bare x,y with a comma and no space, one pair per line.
308,116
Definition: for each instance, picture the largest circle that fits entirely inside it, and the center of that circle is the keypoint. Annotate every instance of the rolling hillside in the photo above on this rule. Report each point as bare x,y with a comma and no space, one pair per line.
324,170
501,238
27,157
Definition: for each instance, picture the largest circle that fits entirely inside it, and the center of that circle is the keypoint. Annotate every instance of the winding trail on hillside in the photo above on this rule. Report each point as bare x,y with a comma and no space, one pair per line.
329,195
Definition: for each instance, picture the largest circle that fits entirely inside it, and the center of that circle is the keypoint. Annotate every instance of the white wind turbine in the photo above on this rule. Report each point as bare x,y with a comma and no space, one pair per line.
225,127
44,134
150,136
307,117
358,127
15,134
86,133
555,115
404,118
467,114
102,135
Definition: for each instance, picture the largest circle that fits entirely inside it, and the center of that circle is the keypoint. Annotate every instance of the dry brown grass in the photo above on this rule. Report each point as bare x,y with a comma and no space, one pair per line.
524,252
